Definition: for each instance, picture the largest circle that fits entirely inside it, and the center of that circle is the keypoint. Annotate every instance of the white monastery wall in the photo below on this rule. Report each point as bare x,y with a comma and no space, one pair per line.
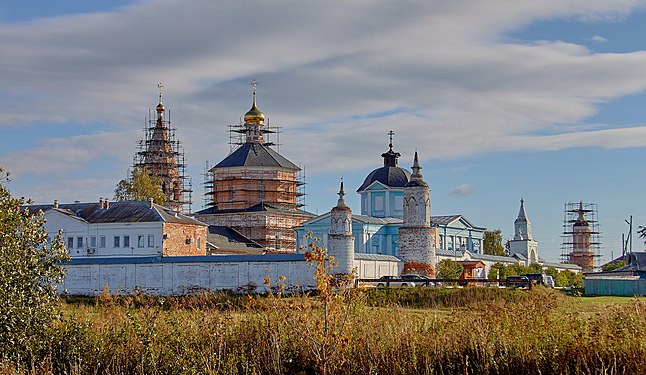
182,275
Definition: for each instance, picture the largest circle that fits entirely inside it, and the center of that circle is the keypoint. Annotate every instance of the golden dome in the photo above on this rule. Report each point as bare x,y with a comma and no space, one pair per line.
254,116
160,108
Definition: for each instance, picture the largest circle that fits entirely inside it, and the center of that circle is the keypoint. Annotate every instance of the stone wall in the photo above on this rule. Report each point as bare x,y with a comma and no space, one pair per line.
416,244
188,274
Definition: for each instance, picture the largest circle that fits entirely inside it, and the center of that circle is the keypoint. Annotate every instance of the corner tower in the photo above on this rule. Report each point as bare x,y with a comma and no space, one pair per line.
416,237
340,239
162,155
523,243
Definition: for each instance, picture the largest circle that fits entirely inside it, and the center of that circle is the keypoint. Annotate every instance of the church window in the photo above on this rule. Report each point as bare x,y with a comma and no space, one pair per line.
232,194
93,241
79,242
117,243
102,241
126,241
379,203
70,242
261,191
140,240
151,240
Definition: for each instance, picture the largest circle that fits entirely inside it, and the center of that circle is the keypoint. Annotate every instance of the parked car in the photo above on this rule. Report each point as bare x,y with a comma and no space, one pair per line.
419,279
393,281
517,281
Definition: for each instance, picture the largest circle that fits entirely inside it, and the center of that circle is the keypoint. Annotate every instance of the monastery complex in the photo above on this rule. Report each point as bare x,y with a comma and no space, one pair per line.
254,224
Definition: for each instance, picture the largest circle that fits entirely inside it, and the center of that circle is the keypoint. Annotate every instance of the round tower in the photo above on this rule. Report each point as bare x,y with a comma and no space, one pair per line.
416,238
340,239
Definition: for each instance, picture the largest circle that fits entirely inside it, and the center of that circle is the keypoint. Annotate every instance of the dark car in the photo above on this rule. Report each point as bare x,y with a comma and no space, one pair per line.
537,278
419,279
517,281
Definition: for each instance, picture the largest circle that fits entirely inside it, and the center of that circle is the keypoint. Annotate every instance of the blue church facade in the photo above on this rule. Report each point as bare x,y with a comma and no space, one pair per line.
382,203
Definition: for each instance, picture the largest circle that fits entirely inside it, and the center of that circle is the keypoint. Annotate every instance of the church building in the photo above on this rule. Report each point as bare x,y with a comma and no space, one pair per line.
383,202
254,190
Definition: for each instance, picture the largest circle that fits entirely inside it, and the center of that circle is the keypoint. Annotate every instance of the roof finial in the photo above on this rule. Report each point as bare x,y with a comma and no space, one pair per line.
160,107
160,86
416,168
390,134
254,84
341,193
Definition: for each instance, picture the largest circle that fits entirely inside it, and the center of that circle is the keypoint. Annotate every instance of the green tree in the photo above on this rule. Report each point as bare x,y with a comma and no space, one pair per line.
448,269
493,242
29,272
141,186
642,232
613,266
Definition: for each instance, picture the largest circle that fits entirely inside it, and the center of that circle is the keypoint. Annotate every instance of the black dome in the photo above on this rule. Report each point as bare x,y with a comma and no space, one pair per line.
389,176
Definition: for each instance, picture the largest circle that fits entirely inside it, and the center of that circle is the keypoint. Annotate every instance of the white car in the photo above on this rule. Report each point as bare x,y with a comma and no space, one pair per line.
393,281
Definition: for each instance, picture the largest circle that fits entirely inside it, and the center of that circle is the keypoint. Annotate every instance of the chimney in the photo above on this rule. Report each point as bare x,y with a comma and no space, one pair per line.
101,203
150,202
55,203
107,203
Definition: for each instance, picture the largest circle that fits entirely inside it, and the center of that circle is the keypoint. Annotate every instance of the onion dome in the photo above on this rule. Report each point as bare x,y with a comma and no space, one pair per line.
254,116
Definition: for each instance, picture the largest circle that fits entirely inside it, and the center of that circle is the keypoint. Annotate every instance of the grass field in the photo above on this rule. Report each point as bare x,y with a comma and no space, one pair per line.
375,331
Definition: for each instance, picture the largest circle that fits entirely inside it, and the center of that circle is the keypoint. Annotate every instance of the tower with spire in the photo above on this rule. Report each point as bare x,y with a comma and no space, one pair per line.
163,156
340,238
255,190
416,237
523,242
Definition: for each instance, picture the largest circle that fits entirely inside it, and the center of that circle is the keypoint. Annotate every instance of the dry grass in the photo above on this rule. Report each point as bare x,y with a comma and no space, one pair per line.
407,331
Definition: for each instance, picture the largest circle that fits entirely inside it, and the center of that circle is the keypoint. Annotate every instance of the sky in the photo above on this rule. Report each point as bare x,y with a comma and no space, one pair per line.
540,99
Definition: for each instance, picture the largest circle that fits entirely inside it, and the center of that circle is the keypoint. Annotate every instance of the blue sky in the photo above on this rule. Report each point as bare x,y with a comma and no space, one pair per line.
503,99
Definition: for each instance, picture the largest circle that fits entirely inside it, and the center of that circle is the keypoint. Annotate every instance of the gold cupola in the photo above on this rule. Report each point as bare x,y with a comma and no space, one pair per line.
254,115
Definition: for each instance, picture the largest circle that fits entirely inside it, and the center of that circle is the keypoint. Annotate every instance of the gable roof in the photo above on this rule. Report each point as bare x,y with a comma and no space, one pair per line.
118,212
255,155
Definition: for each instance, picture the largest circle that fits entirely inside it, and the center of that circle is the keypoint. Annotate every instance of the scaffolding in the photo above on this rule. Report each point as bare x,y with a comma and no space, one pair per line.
163,155
581,235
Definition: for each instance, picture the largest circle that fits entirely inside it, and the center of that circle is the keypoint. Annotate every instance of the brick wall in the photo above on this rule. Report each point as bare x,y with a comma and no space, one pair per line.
182,239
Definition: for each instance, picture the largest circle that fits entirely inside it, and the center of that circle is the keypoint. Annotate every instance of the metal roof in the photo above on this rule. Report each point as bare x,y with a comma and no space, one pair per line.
389,176
118,212
378,257
255,155
260,207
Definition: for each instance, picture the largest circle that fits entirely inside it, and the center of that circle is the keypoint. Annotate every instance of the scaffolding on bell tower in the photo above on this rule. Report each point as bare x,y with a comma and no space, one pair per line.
163,155
581,235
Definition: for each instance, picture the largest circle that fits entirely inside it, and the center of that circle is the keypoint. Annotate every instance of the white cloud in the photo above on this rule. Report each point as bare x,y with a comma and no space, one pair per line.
598,38
451,85
462,190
